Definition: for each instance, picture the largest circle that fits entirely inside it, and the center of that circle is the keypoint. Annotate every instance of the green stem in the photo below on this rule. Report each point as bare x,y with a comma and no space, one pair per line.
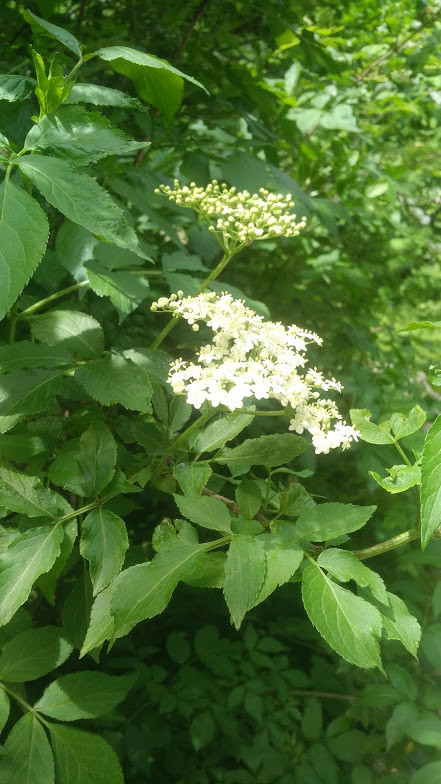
78,65
47,300
264,413
174,446
389,544
402,453
228,255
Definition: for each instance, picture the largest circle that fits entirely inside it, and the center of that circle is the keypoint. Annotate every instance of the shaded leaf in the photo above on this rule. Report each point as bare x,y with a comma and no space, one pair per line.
96,459
70,329
204,511
26,755
116,380
245,570
83,758
103,543
431,483
83,695
33,653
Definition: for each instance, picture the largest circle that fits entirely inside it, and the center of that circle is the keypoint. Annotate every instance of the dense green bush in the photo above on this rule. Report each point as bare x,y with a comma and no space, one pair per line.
150,494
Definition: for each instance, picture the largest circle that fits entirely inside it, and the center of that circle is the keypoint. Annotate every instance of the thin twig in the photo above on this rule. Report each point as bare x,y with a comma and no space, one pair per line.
198,13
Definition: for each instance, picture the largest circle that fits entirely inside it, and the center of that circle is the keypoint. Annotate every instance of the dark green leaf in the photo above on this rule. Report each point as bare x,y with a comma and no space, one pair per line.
80,198
33,653
125,291
191,477
245,571
83,758
72,330
24,232
325,522
349,624
272,450
26,755
26,392
63,36
431,483
27,495
116,380
96,458
14,87
204,511
27,557
103,543
399,624
83,695
25,354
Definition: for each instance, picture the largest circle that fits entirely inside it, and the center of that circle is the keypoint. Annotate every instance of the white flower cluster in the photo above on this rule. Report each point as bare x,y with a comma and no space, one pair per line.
238,216
251,358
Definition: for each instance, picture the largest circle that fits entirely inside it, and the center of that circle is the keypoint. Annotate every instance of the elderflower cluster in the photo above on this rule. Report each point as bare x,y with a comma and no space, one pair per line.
253,358
238,215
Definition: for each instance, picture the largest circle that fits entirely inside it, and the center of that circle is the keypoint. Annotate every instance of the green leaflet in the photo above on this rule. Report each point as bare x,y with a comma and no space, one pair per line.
27,557
245,570
349,624
96,459
26,392
144,591
33,653
155,80
217,433
83,758
24,232
14,87
27,495
372,434
204,511
24,354
325,522
80,198
61,35
69,329
400,479
27,755
345,566
99,95
104,542
79,137
116,380
83,695
273,450
191,477
399,624
282,561
125,290
101,623
431,483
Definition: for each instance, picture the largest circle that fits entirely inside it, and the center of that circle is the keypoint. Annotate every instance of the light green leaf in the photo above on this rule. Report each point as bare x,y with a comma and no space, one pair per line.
26,392
349,624
27,557
70,329
405,424
426,731
204,511
245,570
217,433
325,522
376,189
272,450
47,582
102,96
156,363
372,434
125,290
155,80
144,591
24,232
5,706
79,137
83,758
27,495
103,543
101,623
249,497
116,380
421,325
428,774
25,354
14,87
33,653
345,566
341,118
431,483
399,624
96,458
80,198
282,561
400,479
26,755
192,477
83,695
63,36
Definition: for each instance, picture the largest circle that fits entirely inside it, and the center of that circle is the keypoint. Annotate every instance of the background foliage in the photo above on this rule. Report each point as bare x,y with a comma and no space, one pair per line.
337,103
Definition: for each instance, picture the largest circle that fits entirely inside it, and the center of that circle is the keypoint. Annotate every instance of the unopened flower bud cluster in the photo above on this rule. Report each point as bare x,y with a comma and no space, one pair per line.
238,216
253,358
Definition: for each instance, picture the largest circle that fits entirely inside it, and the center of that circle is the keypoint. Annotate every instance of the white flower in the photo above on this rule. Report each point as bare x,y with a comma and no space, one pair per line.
238,217
253,358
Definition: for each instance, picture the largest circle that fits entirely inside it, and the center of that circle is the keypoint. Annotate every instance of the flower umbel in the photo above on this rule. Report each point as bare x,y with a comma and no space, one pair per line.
238,217
253,358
